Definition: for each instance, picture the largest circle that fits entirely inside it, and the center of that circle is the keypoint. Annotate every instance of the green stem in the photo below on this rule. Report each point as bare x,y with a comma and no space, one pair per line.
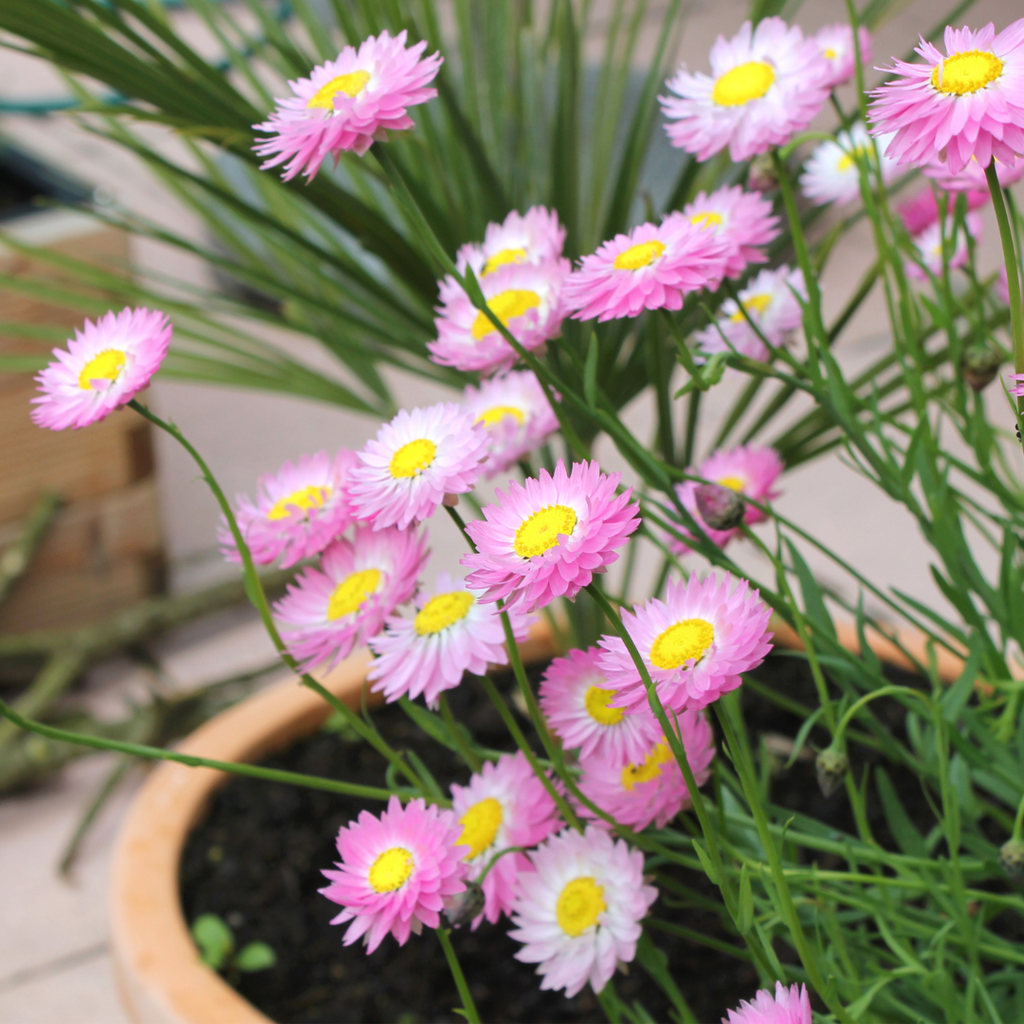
838,740
787,906
474,763
256,594
468,1006
1012,274
160,754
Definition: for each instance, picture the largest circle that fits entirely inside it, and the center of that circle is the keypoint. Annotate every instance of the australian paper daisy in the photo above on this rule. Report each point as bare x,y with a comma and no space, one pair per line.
790,1005
106,364
967,102
578,912
504,805
650,788
575,697
766,84
694,643
832,172
396,872
652,267
347,104
415,460
835,42
547,538
451,633
743,220
527,298
749,470
516,413
532,237
298,510
345,600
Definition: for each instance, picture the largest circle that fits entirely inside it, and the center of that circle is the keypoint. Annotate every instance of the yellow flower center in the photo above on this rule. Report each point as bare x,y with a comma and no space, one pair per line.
579,906
966,72
541,531
479,826
708,219
830,54
743,83
442,611
846,160
412,457
498,412
351,592
351,85
499,259
596,701
734,483
641,255
304,498
755,304
682,641
505,306
648,769
391,870
105,366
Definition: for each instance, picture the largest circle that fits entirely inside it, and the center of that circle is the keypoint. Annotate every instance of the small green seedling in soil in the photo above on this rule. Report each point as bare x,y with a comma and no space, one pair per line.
216,942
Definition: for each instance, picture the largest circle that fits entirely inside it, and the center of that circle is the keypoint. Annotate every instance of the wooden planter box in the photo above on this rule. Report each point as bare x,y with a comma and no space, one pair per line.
103,550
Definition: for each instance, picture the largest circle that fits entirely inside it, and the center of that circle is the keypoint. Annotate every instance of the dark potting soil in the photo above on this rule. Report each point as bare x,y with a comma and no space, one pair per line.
256,861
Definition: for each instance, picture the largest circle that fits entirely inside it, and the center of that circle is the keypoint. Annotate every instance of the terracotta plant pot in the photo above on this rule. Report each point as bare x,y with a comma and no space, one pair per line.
161,977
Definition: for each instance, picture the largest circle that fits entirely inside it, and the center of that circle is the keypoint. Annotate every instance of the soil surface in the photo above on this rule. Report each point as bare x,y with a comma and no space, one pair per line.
256,860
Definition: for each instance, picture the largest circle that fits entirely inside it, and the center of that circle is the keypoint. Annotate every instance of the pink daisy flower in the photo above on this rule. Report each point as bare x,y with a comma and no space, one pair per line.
347,103
527,298
966,103
652,267
743,220
504,805
750,470
397,872
517,415
298,511
694,644
547,539
929,246
652,788
534,237
790,1006
452,633
972,177
329,610
766,84
922,210
831,174
770,301
575,697
835,42
106,364
1017,388
578,912
415,460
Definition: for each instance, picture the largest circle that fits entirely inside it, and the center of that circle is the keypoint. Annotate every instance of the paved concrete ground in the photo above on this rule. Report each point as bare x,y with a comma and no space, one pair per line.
54,963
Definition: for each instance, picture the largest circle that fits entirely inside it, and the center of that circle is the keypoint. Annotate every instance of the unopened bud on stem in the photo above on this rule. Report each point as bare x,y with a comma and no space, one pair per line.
720,507
831,767
761,177
980,364
1011,856
466,905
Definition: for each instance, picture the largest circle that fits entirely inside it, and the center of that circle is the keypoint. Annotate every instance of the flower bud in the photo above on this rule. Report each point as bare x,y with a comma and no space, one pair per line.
465,906
720,507
831,767
1011,856
980,364
761,177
